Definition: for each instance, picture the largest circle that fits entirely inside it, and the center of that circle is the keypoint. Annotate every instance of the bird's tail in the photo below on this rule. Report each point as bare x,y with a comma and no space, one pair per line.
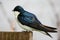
50,29
48,34
47,29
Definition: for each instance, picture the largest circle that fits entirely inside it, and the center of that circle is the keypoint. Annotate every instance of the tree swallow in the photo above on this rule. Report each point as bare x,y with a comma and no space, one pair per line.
29,21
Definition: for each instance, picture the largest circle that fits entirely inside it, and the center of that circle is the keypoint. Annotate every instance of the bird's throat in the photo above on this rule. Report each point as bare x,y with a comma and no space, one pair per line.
16,13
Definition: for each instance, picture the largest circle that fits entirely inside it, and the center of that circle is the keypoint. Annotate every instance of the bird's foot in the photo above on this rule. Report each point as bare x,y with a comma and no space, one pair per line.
27,31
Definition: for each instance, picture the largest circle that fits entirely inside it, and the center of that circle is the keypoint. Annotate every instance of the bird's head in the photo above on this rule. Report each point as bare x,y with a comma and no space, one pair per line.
18,8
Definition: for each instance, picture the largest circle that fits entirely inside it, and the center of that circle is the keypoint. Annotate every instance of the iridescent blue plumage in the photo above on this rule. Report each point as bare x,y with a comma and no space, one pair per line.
28,17
30,20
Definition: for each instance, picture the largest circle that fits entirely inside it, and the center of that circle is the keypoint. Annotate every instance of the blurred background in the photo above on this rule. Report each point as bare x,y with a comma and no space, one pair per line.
47,11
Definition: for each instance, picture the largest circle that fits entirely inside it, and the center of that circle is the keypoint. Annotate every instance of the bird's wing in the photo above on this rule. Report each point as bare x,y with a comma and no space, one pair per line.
50,27
31,21
35,23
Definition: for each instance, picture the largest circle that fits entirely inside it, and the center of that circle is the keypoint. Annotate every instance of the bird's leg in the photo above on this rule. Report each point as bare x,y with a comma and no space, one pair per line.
28,31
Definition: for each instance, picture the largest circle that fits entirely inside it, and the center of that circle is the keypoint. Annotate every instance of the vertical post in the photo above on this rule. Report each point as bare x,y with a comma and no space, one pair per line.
16,35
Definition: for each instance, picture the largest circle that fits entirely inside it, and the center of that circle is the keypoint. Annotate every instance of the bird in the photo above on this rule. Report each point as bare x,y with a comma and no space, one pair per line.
30,22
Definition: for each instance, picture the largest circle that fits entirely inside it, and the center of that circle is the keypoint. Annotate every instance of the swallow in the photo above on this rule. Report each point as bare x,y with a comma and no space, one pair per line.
29,21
